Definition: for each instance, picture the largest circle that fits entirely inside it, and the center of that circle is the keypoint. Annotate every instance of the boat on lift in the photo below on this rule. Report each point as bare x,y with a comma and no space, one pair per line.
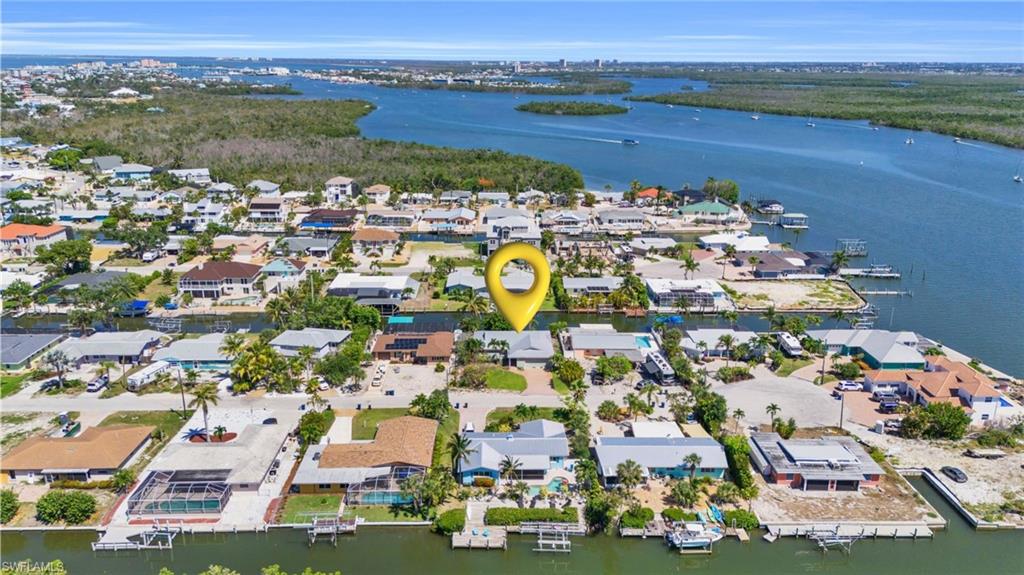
694,536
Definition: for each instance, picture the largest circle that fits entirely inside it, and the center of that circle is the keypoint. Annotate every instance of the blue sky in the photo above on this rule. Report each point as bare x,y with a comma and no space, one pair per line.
709,31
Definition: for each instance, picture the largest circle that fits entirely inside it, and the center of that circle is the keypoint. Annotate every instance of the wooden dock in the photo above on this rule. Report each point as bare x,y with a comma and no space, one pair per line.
739,533
495,538
846,530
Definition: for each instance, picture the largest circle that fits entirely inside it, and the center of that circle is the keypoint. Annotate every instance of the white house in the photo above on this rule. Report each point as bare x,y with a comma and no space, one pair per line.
511,229
338,188
199,176
742,241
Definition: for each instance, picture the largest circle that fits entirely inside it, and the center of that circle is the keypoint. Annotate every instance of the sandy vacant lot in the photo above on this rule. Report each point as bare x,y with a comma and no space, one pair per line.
809,404
795,295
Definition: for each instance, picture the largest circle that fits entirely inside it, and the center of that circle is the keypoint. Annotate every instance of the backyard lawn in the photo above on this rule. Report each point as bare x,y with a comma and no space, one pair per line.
379,513
156,288
364,424
11,384
448,427
500,412
505,380
302,508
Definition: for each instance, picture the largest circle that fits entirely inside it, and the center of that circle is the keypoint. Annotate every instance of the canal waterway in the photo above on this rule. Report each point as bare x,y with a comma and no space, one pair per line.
958,549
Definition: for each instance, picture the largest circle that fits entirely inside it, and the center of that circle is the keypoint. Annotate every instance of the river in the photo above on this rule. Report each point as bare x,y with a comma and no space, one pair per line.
958,550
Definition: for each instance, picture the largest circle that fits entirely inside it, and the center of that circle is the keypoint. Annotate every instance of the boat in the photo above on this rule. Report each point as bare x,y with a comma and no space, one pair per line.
630,142
809,123
957,141
696,119
697,110
755,117
908,141
671,106
693,536
1018,178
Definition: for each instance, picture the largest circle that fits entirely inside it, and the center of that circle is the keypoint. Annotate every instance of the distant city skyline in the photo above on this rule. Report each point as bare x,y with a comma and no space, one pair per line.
658,31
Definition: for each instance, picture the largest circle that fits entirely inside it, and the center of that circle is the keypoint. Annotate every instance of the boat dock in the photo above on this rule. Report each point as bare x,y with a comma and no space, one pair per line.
739,533
656,528
488,538
875,271
329,528
897,293
134,538
888,530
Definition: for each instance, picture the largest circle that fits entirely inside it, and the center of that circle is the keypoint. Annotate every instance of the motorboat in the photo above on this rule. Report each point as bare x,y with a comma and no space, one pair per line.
909,141
693,536
755,117
630,142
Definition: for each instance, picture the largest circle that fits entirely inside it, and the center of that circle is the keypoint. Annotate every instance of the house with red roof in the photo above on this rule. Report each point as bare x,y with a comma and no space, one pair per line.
944,381
18,240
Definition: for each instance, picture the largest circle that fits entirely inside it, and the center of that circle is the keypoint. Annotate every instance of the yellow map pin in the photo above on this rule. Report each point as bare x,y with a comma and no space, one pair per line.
518,308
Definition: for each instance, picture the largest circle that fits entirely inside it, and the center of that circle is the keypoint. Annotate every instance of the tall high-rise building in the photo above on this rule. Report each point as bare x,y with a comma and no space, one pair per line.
563,63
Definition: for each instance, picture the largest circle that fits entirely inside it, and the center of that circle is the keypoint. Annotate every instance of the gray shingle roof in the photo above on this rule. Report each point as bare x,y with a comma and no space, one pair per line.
533,445
533,344
651,452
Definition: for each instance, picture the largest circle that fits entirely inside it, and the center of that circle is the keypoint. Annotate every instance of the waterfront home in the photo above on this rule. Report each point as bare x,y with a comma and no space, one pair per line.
511,229
18,350
339,188
203,213
741,241
265,210
378,193
221,189
96,454
621,220
264,188
530,196
329,220
831,463
785,264
880,349
124,347
192,477
571,222
17,240
201,353
360,286
323,341
659,457
703,343
370,472
698,294
414,347
647,196
214,280
390,219
375,243
577,287
200,176
712,212
462,197
515,281
499,213
132,172
449,220
319,247
596,340
106,164
289,268
539,446
645,246
531,348
945,381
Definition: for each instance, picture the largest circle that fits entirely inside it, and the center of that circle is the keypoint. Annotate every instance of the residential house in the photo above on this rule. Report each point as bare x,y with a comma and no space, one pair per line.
647,196
360,286
317,247
498,213
880,349
132,172
785,264
462,197
243,246
124,347
375,242
323,341
704,343
203,213
17,240
96,454
832,463
214,280
370,472
414,347
339,188
221,189
516,281
596,340
390,219
740,241
645,246
496,198
106,164
530,197
283,273
577,287
621,220
18,351
265,188
449,220
571,222
200,176
511,229
698,294
201,353
378,194
264,210
539,446
659,457
712,212
329,220
525,349
945,381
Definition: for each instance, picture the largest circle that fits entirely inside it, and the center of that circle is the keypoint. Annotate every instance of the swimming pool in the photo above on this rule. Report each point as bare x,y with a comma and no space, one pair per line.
554,486
644,342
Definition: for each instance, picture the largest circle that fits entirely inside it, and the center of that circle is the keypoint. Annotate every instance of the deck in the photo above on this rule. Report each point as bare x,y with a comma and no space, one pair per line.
863,531
496,538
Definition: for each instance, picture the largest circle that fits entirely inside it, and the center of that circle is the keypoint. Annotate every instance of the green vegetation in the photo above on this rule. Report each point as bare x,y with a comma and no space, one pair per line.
251,90
737,453
8,505
364,424
505,418
637,517
677,514
733,374
380,513
502,379
451,521
968,106
315,424
11,384
299,144
935,421
743,519
515,515
787,366
302,508
71,507
571,108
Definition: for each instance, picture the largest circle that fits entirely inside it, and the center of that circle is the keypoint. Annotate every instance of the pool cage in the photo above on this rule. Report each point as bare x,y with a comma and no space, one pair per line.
181,493
382,489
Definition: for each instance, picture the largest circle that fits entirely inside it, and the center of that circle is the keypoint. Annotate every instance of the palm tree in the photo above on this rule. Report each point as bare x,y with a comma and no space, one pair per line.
737,415
649,391
731,316
771,316
203,397
219,432
693,461
838,315
726,341
839,260
458,445
476,304
104,369
629,474
59,362
307,357
689,265
772,410
509,467
233,345
635,405
518,491
501,347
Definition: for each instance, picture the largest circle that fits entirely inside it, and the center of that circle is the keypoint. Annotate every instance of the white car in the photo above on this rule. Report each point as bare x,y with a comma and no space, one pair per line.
847,385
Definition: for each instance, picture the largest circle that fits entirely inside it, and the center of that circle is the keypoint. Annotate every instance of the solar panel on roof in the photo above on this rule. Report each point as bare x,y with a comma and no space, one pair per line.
406,343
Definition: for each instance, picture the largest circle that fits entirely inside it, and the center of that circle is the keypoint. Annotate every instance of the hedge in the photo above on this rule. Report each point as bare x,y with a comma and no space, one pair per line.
8,505
677,514
451,521
483,481
744,519
737,452
637,518
515,515
75,484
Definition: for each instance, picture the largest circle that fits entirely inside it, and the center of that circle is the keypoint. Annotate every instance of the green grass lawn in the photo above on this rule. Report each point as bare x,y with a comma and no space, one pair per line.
559,385
364,424
500,412
156,288
11,384
301,508
505,380
448,427
379,513
788,366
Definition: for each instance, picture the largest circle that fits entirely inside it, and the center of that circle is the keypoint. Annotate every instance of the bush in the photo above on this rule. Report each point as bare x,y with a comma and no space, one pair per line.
69,506
515,515
483,482
737,452
8,505
636,518
673,514
451,521
848,370
609,411
439,368
75,484
744,519
733,374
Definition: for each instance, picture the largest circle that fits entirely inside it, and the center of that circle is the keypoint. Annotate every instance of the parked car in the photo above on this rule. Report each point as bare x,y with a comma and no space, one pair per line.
883,394
888,406
469,427
97,384
954,473
323,385
847,385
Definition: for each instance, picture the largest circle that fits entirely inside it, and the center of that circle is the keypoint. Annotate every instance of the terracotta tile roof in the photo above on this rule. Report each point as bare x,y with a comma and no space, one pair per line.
404,440
216,271
439,344
974,382
95,448
648,193
374,235
15,231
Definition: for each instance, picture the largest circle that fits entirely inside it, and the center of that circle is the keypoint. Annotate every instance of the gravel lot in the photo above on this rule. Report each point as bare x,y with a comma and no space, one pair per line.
809,404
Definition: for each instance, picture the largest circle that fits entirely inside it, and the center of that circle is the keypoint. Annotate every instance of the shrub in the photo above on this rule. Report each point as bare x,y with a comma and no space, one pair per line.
8,505
733,374
673,514
483,482
68,506
451,521
609,411
439,368
744,519
515,515
637,518
737,452
75,484
848,370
